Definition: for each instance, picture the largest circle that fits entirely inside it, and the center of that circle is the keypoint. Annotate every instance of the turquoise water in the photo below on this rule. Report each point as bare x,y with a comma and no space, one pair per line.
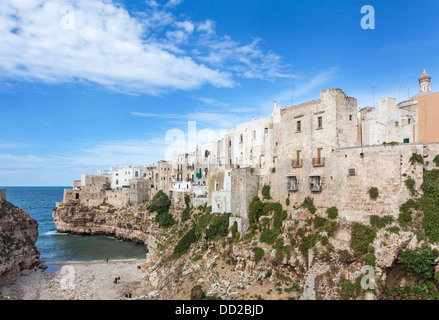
55,247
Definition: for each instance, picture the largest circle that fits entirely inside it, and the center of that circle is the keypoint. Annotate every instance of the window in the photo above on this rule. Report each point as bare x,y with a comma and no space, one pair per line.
254,134
352,173
396,123
242,138
425,88
350,117
266,130
299,126
137,174
320,122
410,120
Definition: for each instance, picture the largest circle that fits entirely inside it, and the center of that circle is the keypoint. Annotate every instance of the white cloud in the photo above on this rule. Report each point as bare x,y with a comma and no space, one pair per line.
173,3
107,46
100,42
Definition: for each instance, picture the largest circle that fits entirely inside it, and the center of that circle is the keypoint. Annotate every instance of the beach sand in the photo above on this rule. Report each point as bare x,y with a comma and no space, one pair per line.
80,281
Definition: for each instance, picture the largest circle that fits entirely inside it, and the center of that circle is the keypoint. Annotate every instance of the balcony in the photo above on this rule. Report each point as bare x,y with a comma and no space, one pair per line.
293,186
318,162
316,187
297,163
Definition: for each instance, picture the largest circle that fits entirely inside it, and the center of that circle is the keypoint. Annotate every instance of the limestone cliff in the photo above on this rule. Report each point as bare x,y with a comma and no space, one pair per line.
18,234
128,223
311,253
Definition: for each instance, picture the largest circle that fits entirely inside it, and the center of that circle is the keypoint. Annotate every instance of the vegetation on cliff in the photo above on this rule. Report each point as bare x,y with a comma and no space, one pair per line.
161,204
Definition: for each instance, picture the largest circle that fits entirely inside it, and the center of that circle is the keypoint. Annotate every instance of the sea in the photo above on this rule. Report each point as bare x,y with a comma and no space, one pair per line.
56,247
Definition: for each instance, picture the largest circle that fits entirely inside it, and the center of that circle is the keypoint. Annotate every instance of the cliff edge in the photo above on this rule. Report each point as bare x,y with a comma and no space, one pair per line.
18,234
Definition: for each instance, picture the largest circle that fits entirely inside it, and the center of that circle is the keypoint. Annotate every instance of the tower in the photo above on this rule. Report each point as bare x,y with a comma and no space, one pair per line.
424,82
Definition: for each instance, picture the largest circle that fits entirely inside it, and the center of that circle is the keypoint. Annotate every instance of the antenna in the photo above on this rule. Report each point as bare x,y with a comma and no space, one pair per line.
292,92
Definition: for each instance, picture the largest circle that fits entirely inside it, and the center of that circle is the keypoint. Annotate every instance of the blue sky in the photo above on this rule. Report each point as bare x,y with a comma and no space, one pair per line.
85,85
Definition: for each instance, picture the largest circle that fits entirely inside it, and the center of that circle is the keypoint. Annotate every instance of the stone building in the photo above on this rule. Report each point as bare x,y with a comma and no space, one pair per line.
323,149
2,194
391,122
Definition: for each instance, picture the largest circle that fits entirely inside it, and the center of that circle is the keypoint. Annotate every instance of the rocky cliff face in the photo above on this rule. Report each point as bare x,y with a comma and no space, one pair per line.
310,254
18,234
128,223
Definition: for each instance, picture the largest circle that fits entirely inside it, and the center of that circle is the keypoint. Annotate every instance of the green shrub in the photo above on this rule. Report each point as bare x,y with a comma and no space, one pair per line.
394,230
309,204
202,224
426,291
380,223
279,217
430,204
287,202
234,230
405,214
416,158
361,237
307,243
373,193
410,184
420,236
197,257
436,160
160,203
218,227
185,243
186,214
273,170
266,192
350,290
165,220
369,259
269,236
256,210
187,200
332,213
259,253
320,222
420,261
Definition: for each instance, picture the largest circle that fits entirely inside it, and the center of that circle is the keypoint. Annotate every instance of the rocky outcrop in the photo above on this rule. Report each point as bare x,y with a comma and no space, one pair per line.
18,234
129,223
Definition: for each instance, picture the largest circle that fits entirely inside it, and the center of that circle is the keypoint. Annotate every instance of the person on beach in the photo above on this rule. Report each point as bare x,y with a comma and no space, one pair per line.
35,268
107,260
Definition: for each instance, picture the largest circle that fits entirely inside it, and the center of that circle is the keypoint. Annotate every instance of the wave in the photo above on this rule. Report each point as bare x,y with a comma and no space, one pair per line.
51,233
55,262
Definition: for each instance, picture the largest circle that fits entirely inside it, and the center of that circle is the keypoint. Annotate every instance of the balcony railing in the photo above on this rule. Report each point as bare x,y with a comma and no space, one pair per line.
297,163
318,162
293,186
316,187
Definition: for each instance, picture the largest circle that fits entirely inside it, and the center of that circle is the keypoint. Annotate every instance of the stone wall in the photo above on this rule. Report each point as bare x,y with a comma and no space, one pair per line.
244,189
221,202
383,167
